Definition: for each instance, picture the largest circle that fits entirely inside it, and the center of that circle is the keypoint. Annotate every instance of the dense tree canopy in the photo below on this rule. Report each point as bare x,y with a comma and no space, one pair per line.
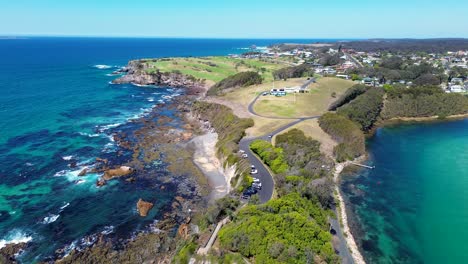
241,79
350,138
290,229
365,109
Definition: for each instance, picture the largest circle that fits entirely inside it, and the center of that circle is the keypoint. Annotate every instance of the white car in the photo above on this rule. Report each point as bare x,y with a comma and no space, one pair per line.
255,180
245,155
241,151
253,171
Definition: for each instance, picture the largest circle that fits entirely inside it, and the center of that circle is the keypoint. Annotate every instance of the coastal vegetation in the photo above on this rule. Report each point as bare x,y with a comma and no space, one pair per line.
291,229
350,138
272,156
365,109
230,129
348,96
241,79
424,101
294,227
302,70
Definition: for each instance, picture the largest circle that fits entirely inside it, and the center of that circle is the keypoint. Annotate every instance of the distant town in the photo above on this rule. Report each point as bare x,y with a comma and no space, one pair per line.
447,69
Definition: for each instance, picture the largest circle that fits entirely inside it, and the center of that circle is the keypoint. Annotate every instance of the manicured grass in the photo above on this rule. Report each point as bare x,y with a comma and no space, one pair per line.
301,105
214,69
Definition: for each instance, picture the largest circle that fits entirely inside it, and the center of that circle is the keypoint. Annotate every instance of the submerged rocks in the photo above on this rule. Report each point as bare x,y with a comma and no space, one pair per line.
100,183
118,172
83,172
144,207
9,252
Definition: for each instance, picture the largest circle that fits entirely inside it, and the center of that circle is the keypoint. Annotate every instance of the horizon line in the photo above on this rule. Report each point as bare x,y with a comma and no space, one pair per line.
9,36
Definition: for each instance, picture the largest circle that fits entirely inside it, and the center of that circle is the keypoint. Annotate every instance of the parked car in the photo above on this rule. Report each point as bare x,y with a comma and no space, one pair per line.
255,180
250,191
265,93
245,155
253,171
257,186
241,151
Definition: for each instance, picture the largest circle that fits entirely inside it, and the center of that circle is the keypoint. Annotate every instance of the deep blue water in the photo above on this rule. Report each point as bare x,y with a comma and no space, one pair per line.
57,107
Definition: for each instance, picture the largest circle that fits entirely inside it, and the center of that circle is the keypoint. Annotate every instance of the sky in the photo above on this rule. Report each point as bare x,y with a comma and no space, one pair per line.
348,19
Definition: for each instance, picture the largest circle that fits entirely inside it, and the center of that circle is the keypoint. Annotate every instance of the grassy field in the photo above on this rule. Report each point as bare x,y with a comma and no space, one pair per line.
301,105
214,69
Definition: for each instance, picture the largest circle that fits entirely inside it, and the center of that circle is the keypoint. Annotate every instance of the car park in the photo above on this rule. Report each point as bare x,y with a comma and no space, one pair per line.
257,186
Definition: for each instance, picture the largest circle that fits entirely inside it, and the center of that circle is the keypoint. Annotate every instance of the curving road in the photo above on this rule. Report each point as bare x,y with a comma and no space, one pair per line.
266,178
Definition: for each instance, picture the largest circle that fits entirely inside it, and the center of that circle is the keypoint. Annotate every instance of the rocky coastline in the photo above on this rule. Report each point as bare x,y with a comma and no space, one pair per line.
137,72
157,138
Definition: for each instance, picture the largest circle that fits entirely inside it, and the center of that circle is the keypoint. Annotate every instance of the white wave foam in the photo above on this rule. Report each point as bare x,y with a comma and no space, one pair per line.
60,173
15,236
50,219
64,206
67,157
102,66
80,181
107,230
29,164
88,135
107,127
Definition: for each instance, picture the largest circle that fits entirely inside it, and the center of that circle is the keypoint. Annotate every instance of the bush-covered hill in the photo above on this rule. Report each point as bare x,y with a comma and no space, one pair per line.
241,79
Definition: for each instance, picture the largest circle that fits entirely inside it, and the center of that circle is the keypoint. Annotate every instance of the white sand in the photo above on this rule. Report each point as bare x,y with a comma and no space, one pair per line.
357,257
205,158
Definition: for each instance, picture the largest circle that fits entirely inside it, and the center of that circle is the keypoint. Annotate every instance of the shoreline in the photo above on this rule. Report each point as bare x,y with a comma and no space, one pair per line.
206,160
410,120
343,218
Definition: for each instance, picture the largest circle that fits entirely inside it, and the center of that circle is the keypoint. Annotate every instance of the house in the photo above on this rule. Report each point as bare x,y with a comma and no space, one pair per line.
368,81
457,89
344,76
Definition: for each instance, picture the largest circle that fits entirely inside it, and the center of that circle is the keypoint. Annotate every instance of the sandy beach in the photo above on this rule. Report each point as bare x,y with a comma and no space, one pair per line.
356,254
205,158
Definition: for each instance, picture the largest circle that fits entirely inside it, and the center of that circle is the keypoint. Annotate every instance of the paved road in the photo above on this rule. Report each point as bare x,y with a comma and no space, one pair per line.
343,251
358,63
266,178
263,173
252,104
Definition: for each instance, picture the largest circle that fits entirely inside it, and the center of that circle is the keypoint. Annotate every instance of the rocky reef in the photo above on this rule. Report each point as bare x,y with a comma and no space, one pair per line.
138,72
144,207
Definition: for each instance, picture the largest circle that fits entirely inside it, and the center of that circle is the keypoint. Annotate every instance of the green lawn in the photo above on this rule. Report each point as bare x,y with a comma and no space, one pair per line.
301,105
213,68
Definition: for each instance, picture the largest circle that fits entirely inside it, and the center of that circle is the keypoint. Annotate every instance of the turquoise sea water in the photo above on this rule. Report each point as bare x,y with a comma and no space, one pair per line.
413,208
56,108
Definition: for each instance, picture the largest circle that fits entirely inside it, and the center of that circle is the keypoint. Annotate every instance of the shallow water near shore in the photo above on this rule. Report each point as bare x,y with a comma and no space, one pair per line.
58,110
412,208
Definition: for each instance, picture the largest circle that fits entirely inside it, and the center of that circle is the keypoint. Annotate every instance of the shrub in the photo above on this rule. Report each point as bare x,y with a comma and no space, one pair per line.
241,79
348,96
365,109
293,72
346,133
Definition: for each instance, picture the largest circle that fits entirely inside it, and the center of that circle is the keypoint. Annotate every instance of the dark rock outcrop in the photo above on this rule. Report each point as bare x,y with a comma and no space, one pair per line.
144,207
137,73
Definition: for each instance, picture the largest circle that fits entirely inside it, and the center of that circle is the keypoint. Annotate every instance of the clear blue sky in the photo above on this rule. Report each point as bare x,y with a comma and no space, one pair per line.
238,18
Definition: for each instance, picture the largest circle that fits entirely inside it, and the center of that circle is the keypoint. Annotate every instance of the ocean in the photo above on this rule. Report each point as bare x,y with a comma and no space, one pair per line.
413,207
58,112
